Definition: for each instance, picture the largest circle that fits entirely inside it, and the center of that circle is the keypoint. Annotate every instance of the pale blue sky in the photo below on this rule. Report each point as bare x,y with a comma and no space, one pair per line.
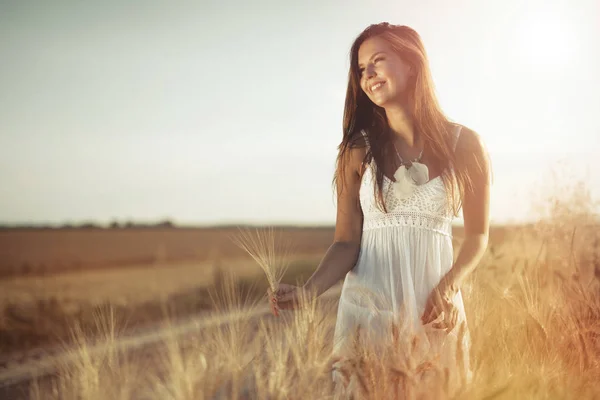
230,111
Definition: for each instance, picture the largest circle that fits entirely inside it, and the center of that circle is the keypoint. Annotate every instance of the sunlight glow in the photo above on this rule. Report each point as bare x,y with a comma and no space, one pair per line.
547,41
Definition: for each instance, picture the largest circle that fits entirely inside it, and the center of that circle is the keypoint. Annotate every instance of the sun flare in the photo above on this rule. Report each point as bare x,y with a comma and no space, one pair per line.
547,42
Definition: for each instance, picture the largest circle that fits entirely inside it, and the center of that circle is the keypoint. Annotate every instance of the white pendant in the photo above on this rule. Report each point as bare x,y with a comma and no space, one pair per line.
404,184
419,173
408,178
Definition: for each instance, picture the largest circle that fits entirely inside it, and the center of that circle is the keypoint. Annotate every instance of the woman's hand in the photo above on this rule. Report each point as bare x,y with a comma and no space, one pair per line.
286,297
439,307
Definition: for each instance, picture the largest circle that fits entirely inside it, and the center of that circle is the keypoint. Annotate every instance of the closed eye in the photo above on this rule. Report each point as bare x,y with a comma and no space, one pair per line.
361,70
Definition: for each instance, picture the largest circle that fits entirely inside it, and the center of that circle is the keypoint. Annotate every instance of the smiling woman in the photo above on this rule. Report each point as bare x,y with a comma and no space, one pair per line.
404,170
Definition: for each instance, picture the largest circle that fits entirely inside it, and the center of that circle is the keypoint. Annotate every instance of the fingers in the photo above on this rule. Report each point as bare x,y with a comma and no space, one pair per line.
426,315
450,319
277,305
273,303
274,308
286,297
282,299
449,322
438,321
433,307
279,293
430,314
428,318
444,319
282,291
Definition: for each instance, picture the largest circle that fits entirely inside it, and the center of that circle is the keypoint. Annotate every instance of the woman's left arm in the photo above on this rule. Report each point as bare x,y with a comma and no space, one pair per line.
472,156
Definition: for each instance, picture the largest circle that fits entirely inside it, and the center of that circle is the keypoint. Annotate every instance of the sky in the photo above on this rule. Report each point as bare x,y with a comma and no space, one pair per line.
212,112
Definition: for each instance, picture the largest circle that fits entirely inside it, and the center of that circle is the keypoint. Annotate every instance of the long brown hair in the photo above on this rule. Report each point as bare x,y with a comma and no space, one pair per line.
360,113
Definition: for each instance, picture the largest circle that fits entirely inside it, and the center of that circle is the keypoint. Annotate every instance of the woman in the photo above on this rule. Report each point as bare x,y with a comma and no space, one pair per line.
403,172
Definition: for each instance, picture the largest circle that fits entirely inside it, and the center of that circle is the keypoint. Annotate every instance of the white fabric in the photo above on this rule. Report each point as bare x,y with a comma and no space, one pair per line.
403,255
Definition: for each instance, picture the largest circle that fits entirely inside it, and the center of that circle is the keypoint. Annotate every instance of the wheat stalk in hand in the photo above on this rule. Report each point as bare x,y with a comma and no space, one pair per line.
269,252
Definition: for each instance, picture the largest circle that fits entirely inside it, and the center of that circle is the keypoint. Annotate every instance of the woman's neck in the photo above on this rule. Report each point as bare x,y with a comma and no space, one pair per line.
401,124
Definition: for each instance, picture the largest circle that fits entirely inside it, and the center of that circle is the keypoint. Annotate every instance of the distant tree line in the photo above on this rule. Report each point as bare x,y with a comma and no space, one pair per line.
93,225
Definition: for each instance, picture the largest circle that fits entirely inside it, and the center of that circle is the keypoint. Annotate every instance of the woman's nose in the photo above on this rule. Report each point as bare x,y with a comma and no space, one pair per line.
370,71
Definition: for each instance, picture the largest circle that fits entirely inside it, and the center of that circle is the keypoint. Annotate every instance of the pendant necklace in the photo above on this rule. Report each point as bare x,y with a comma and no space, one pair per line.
408,175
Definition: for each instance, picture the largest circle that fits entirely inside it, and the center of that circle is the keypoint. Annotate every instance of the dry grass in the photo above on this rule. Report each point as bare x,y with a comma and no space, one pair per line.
533,310
535,335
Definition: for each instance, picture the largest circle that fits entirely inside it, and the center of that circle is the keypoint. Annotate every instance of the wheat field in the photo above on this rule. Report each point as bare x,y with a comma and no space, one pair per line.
533,312
534,321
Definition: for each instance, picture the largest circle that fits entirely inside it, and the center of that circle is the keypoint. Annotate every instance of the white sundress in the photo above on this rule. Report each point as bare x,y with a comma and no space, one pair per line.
403,256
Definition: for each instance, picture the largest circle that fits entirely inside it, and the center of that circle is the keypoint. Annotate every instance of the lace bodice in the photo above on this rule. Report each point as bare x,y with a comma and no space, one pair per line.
426,208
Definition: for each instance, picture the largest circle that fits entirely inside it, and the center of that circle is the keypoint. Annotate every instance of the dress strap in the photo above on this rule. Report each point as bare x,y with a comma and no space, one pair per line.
365,136
456,134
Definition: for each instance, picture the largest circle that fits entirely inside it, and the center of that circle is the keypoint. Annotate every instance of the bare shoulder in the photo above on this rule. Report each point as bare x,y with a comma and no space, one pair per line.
471,152
469,141
355,156
356,159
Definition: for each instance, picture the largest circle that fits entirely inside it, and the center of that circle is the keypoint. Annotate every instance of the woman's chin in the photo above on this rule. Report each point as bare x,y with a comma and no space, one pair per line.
389,101
382,101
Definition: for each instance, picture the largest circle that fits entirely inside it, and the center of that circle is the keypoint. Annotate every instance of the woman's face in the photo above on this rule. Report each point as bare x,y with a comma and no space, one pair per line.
383,74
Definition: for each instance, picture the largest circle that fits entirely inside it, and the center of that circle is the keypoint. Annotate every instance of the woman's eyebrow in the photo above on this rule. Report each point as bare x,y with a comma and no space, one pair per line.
379,52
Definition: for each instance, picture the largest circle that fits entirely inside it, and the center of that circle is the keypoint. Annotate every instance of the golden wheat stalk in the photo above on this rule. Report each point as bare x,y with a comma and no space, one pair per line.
269,250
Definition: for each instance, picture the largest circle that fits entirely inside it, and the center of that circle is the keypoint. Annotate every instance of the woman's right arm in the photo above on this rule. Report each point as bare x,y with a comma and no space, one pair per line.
343,252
